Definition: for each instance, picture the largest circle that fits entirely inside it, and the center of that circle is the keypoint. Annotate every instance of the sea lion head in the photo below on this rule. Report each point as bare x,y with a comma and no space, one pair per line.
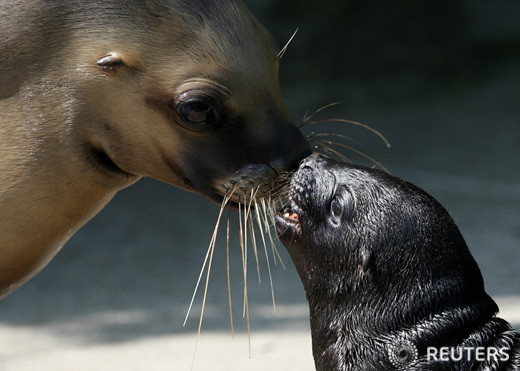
190,95
367,226
379,259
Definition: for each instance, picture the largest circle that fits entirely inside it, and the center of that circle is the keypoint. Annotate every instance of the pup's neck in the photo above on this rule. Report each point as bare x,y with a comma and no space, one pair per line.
349,335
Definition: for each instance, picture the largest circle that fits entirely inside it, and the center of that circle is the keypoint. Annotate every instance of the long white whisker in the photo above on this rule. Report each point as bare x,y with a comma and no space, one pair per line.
252,231
308,117
259,221
225,200
273,245
284,49
244,269
245,255
229,278
266,221
273,218
203,302
213,238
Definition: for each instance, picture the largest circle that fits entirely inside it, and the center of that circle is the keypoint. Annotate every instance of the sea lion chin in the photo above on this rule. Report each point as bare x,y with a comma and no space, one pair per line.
95,95
387,274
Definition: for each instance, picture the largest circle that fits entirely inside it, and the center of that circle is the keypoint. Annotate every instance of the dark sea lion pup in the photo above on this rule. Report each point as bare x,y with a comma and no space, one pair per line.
390,281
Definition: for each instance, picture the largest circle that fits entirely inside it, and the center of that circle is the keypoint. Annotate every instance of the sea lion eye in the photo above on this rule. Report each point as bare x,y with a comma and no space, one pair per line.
199,113
342,205
336,209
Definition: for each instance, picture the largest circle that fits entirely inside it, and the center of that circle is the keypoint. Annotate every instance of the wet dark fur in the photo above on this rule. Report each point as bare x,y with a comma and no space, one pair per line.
393,269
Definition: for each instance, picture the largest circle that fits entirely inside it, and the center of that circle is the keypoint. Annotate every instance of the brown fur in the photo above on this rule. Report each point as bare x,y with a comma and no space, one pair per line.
73,133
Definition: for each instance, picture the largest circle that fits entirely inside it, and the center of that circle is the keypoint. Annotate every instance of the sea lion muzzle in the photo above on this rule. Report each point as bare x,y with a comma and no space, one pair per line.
249,169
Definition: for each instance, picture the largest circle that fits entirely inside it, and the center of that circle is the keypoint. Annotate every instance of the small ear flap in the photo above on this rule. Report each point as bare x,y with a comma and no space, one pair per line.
367,260
111,62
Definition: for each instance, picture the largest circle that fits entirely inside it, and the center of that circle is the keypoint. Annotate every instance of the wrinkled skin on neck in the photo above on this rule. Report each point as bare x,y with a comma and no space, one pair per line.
393,267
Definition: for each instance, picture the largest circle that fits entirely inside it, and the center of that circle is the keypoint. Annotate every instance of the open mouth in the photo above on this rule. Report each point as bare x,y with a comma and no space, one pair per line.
290,215
288,222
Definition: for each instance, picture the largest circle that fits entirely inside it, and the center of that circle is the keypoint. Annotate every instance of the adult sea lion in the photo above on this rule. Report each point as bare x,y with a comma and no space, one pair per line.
390,281
96,94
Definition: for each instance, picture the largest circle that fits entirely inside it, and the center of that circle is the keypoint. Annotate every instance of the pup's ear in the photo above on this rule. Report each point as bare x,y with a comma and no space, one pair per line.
367,260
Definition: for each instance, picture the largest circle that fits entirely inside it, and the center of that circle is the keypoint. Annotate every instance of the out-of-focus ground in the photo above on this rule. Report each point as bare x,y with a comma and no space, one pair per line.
116,296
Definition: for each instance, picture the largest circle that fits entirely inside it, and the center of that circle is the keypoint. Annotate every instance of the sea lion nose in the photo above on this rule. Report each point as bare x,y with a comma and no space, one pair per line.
291,148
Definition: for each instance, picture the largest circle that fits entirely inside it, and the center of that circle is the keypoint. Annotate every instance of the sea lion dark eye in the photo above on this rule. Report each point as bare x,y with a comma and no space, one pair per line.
336,209
199,113
341,206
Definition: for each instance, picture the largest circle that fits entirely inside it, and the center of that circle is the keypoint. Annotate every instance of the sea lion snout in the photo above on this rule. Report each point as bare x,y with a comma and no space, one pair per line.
249,170
312,162
265,159
306,181
291,148
305,193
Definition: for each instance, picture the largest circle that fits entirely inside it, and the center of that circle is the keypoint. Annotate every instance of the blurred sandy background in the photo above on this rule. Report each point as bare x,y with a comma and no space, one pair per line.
440,79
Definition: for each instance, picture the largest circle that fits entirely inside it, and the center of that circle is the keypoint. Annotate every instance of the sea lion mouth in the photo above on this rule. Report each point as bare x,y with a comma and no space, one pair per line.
288,220
289,216
287,224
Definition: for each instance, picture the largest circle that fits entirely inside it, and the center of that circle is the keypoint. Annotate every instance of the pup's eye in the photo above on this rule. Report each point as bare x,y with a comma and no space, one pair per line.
336,208
341,206
199,113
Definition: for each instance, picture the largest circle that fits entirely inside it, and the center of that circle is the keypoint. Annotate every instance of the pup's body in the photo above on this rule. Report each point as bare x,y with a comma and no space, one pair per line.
387,273
96,94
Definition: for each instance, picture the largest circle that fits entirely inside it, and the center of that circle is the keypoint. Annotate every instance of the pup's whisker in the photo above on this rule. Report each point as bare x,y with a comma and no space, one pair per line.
338,136
332,151
308,117
381,136
356,151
